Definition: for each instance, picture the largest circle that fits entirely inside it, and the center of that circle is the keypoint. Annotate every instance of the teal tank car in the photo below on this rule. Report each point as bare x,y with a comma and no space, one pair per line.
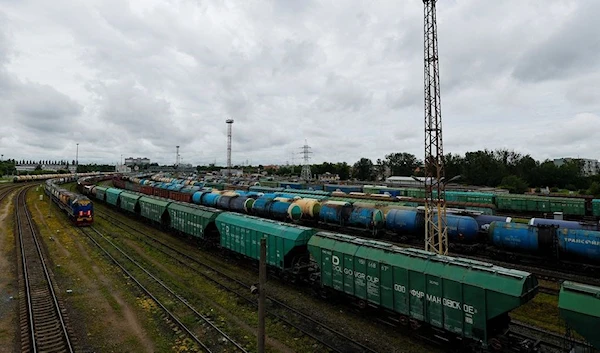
467,298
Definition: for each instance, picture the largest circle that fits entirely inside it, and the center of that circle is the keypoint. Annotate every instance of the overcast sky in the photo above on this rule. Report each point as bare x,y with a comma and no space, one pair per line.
139,77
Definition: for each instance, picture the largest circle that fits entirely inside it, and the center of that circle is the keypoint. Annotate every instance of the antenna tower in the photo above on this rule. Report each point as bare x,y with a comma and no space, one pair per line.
177,157
229,124
305,174
436,231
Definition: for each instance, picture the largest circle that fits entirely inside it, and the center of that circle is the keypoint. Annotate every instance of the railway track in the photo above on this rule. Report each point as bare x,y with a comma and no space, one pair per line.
328,336
546,273
42,316
541,337
174,305
550,341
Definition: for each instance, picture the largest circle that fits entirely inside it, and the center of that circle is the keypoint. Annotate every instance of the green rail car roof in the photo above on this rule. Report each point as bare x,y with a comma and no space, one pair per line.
153,208
242,234
579,306
129,200
191,219
456,294
112,195
101,192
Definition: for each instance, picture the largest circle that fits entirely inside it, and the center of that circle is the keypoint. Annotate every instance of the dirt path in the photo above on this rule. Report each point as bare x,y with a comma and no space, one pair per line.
8,280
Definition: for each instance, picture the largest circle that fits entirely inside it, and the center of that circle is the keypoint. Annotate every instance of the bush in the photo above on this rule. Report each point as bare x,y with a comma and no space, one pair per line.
571,187
554,189
538,190
594,189
514,184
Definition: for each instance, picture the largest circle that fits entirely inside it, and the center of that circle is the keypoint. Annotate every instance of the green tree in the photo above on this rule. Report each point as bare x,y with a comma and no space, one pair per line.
482,168
454,164
402,164
363,169
342,169
594,189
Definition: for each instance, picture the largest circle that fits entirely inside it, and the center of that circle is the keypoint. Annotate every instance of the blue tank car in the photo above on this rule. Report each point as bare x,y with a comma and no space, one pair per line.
209,199
284,210
197,197
224,201
336,212
483,221
580,244
261,206
514,236
562,224
241,204
363,217
461,228
405,221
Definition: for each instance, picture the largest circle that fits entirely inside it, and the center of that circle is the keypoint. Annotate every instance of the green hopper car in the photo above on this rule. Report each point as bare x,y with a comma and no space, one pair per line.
466,298
579,306
154,209
193,220
100,192
286,243
112,196
129,201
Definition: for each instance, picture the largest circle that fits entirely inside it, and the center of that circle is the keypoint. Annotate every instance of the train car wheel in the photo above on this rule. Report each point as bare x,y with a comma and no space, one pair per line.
496,345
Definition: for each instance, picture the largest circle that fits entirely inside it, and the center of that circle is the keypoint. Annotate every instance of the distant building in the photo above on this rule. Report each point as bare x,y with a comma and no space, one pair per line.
234,172
122,168
30,167
136,161
588,167
328,177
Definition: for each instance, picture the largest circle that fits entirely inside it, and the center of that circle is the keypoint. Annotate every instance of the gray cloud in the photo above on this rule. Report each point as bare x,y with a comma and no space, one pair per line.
139,78
569,50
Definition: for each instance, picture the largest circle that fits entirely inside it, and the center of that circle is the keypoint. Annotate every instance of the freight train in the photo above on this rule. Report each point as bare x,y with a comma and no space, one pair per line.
555,241
577,302
466,302
572,206
78,208
26,178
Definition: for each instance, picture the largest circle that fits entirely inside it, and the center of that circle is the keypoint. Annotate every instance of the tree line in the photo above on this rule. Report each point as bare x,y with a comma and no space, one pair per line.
499,168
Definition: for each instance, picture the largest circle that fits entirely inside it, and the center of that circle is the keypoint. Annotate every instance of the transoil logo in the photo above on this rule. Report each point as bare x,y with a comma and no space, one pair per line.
583,241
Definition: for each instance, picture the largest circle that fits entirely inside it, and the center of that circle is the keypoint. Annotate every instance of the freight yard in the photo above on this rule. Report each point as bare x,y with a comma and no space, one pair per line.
493,247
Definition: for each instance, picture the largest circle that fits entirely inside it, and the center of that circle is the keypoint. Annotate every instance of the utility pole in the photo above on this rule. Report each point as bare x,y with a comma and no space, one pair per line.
262,287
436,231
229,123
77,159
305,173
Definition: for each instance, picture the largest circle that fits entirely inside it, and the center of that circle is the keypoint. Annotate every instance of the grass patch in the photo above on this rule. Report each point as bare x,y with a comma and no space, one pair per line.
200,288
8,281
542,312
96,285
